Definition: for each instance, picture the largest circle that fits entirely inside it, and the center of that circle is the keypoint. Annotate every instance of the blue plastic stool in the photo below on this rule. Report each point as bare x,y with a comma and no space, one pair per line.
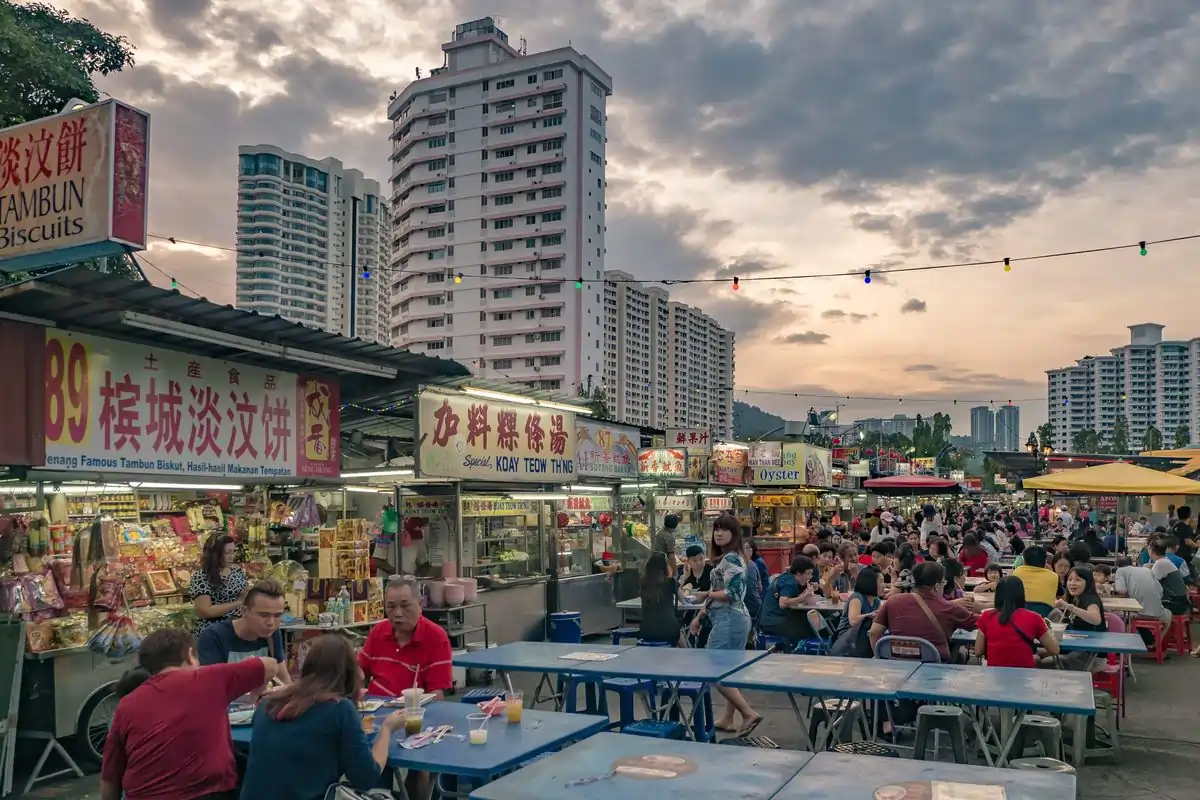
645,643
812,647
594,698
656,729
481,695
624,632
627,690
767,642
704,721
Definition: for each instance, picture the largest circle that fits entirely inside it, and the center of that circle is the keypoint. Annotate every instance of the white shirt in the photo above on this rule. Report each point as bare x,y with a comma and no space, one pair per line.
930,526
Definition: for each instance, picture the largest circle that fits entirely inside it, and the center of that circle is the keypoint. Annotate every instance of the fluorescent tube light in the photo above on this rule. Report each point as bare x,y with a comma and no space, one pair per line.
538,495
505,397
383,473
215,487
365,489
583,488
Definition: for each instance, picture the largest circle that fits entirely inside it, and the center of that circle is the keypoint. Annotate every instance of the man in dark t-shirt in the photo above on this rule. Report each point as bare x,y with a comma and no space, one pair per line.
255,634
664,541
1186,536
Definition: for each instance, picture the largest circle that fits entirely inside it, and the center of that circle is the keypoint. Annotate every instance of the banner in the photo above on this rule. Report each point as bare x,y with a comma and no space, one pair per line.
843,455
697,468
773,500
765,454
425,506
957,475
117,407
715,504
675,502
662,462
859,469
498,507
729,465
818,467
473,438
789,471
585,502
1106,502
73,186
697,440
605,451
973,484
923,464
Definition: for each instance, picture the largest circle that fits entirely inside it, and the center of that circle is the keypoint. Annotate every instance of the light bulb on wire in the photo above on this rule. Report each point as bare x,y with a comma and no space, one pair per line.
735,286
458,278
867,276
1007,265
1142,245
579,282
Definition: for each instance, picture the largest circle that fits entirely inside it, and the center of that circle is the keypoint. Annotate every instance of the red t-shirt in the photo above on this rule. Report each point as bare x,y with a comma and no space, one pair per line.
975,565
1005,647
390,668
170,739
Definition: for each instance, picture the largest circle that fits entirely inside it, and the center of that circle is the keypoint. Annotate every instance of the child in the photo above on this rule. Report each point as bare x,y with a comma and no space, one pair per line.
991,577
1103,575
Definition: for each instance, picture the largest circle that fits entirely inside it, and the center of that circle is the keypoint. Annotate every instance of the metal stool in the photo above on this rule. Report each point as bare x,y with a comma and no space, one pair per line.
656,729
1103,738
1044,765
624,632
1046,731
948,719
848,711
865,749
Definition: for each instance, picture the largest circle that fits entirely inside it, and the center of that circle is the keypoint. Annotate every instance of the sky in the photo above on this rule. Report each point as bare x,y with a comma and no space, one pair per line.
759,138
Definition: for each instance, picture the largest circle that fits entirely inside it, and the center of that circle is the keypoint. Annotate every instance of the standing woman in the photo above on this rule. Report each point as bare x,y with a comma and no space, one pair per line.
726,608
660,622
219,587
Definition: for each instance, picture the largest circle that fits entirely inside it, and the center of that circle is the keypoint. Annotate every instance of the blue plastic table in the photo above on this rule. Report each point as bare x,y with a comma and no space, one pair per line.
1022,690
833,775
612,765
1080,641
544,657
824,677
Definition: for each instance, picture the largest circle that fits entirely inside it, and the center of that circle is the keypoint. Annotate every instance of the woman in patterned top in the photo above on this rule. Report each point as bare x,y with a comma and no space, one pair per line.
725,607
219,586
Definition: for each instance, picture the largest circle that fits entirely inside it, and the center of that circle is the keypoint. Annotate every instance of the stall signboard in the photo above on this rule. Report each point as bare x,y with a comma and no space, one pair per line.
497,507
1106,502
818,466
715,504
663,462
902,468
923,464
674,502
605,451
116,407
773,500
73,186
474,438
972,484
697,467
697,440
788,473
957,475
585,502
631,502
425,506
859,469
765,454
844,455
729,466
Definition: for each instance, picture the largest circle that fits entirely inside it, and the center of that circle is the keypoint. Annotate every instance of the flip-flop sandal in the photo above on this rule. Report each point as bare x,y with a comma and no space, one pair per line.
749,729
725,729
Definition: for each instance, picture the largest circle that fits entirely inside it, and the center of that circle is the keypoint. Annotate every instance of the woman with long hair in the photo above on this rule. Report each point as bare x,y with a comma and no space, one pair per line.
170,734
314,727
1082,609
726,608
1008,635
660,622
973,556
219,587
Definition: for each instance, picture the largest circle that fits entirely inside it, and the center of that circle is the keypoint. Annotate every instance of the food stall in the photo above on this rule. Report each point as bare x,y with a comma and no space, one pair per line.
787,478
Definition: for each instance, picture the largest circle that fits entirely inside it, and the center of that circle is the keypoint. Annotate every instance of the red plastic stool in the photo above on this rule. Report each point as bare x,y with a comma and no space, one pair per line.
1179,634
1158,629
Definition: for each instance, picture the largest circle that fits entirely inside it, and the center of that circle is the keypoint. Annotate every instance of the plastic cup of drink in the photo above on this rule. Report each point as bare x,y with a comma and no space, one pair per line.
1058,628
516,704
412,698
477,728
414,720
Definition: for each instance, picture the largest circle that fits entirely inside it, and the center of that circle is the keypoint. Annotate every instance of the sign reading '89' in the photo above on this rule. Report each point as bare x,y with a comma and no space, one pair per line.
67,391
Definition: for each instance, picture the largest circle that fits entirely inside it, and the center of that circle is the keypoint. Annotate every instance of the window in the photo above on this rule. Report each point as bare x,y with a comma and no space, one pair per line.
552,100
596,90
506,105
502,246
437,97
552,263
501,294
551,240
436,164
531,362
435,346
503,177
435,323
438,209
530,291
506,152
531,102
549,193
597,159
502,316
503,200
551,312
531,172
501,341
553,122
552,144
552,216
506,84
437,141
531,150
551,336
530,243
503,269
506,129
451,137
530,314
436,300
502,363
551,361
434,277
596,115
435,255
551,169
552,74
434,233
485,85
434,188
439,119
531,219
595,134
502,223
484,131
550,288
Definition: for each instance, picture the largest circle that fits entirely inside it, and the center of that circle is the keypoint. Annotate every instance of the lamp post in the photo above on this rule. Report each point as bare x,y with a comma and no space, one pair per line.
1041,456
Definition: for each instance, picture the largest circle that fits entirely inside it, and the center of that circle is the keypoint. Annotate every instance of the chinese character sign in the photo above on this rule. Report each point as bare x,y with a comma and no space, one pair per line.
696,440
729,466
788,473
766,454
73,186
477,438
117,407
605,451
662,463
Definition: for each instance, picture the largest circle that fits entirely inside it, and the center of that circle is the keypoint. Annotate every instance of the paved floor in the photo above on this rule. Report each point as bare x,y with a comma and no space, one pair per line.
1161,740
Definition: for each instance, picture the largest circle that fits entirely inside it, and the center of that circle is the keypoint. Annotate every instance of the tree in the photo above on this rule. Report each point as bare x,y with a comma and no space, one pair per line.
1183,437
596,399
1152,439
1119,443
1085,440
1031,443
1045,434
49,58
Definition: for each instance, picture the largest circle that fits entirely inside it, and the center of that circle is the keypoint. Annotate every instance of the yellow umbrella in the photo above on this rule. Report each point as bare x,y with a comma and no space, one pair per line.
1118,477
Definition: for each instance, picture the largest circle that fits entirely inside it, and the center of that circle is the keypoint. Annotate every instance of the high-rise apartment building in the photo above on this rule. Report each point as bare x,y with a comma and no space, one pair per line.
498,200
1008,428
983,426
1149,381
313,239
666,364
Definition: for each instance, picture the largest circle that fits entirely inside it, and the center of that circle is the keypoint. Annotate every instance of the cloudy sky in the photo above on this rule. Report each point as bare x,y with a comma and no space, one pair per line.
769,137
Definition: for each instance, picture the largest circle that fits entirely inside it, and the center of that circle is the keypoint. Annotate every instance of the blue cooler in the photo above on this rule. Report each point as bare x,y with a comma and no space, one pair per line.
566,627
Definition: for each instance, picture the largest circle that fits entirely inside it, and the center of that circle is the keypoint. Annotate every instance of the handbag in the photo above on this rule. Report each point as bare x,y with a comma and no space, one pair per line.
340,791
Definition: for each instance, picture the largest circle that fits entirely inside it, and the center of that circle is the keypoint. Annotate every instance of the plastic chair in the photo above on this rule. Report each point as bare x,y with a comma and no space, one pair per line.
1110,677
474,696
910,648
629,689
1159,632
765,641
822,634
1179,634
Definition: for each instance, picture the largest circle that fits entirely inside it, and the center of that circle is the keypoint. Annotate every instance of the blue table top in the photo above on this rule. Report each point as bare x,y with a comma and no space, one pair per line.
533,656
825,676
670,664
1081,641
508,745
844,777
1061,691
612,765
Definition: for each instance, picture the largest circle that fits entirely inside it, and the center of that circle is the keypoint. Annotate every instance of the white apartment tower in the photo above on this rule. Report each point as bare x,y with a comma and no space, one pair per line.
313,240
498,203
1149,381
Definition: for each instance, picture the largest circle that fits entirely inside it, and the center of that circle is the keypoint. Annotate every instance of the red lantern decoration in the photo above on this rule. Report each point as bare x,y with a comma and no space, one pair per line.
870,451
563,519
605,519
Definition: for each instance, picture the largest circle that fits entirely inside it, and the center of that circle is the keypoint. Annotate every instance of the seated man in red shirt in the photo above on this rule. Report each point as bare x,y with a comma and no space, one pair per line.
924,612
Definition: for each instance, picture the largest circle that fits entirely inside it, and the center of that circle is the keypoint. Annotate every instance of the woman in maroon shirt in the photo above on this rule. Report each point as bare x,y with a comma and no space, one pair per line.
169,738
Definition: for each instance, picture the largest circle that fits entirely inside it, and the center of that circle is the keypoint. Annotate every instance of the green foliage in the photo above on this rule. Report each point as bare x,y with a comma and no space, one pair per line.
1045,433
48,57
1152,439
751,422
1119,443
1085,441
1183,437
1032,442
597,400
122,266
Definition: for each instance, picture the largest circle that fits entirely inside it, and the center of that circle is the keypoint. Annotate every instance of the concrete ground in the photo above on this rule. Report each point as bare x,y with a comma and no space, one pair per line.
1160,739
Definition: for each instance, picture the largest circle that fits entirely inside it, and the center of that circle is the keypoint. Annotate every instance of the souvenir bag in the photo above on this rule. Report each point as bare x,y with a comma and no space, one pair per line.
118,637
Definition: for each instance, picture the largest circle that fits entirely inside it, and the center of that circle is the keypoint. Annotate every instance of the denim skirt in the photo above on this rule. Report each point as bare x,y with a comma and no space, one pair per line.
730,628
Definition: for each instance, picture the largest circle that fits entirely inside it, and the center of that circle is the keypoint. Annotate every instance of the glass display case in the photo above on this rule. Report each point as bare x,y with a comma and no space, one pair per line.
690,529
502,539
583,529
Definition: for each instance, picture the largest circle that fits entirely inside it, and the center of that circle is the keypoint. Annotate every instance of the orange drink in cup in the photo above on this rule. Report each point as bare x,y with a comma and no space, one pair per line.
515,705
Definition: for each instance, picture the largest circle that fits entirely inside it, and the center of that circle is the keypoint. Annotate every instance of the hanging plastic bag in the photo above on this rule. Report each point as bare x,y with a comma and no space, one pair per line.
117,638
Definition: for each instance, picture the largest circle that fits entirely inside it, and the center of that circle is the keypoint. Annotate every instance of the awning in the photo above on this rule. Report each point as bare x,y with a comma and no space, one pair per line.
912,485
1116,478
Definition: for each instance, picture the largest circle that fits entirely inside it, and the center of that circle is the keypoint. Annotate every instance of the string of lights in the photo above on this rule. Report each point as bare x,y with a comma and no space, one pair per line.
735,282
174,283
892,399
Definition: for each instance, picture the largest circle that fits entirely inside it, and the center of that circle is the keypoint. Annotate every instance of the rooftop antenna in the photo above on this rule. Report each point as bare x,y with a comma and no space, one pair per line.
524,49
418,73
